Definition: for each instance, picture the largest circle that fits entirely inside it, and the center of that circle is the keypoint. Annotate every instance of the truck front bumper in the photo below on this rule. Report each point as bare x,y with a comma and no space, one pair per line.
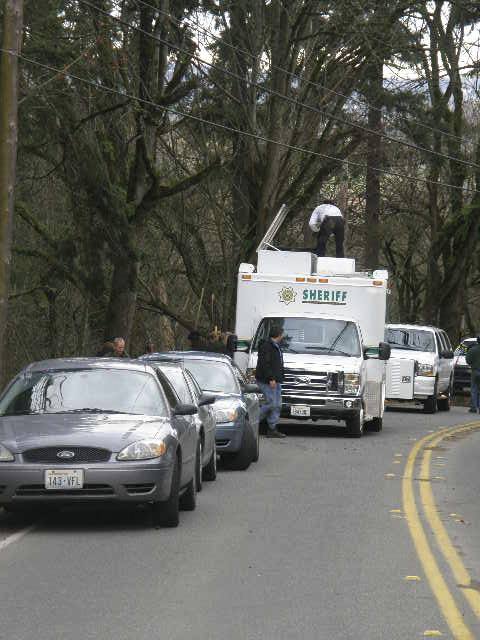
323,408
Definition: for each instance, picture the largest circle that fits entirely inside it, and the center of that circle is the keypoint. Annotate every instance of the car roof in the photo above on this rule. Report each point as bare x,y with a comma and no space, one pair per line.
179,356
61,364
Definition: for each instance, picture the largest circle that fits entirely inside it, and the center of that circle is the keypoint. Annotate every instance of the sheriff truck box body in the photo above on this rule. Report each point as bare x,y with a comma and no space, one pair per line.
334,324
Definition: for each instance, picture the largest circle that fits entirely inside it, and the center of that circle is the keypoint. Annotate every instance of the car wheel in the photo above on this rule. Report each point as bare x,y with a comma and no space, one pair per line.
188,500
210,471
375,425
165,513
198,467
256,453
355,425
241,460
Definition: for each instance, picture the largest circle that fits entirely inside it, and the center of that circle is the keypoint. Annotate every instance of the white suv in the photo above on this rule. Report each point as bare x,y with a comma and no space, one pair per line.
432,351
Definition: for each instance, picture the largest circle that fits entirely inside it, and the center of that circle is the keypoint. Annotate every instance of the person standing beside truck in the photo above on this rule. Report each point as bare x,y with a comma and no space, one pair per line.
327,219
473,359
269,375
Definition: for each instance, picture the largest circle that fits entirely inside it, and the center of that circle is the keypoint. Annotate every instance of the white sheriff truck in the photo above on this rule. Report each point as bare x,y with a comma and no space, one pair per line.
334,324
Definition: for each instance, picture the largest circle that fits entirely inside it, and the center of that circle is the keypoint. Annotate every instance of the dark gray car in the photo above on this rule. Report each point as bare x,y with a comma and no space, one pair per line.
95,429
237,409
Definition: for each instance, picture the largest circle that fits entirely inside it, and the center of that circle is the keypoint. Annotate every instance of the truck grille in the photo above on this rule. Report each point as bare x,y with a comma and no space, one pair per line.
310,384
47,455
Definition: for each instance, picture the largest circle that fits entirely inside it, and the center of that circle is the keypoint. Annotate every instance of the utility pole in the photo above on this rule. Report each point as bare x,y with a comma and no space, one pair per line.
12,40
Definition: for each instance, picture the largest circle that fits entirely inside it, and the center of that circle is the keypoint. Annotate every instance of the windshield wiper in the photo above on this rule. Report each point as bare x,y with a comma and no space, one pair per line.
89,410
330,350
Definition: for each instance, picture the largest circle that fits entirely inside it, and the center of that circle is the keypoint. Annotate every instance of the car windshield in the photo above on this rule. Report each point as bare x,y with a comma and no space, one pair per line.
410,339
313,335
83,390
213,375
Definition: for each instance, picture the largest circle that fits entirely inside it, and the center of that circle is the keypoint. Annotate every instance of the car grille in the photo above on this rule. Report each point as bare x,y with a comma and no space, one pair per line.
137,489
47,455
310,384
31,490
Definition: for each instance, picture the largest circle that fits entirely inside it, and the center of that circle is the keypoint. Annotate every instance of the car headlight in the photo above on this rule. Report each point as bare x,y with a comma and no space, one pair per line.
143,450
425,369
6,455
351,383
226,415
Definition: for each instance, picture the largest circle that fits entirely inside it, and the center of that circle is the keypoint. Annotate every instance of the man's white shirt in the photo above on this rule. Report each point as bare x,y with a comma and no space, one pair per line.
320,213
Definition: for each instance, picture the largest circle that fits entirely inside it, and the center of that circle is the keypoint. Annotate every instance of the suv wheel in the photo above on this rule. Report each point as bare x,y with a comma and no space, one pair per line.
444,403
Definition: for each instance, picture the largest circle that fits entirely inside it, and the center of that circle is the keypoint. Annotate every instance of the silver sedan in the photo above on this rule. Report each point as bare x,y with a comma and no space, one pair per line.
93,430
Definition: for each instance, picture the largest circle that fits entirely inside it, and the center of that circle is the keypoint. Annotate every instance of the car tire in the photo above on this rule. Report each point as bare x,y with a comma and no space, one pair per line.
188,500
241,460
199,467
375,425
355,425
210,470
256,452
166,513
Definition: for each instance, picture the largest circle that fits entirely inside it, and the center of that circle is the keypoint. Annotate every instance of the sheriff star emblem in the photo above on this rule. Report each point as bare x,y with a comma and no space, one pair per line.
287,295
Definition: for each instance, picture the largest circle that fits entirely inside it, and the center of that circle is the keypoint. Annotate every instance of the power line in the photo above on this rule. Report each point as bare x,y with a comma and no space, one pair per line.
280,95
297,77
225,127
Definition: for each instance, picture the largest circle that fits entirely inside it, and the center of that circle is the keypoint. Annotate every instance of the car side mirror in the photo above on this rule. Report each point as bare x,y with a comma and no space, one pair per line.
447,355
185,410
251,387
384,351
205,399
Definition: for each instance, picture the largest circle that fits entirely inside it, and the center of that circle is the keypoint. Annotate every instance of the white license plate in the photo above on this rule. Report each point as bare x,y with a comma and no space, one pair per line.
61,479
300,411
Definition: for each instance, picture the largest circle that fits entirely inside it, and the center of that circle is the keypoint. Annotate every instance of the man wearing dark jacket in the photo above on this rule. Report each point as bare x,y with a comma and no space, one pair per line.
473,359
269,375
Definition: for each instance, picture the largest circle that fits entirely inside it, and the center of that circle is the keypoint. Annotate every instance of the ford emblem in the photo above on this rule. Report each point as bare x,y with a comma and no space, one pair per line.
66,454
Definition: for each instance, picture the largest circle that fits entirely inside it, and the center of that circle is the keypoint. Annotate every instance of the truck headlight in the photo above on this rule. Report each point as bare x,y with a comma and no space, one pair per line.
143,450
351,383
226,415
424,370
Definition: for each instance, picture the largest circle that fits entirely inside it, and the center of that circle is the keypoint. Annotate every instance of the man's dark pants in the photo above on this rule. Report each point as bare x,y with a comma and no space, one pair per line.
335,225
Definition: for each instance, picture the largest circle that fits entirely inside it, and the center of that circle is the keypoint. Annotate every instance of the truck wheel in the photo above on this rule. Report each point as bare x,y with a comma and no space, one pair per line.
210,471
374,425
443,404
355,425
241,460
165,514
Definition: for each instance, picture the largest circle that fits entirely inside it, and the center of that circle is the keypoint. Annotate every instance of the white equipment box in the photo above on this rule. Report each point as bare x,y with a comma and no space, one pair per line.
400,379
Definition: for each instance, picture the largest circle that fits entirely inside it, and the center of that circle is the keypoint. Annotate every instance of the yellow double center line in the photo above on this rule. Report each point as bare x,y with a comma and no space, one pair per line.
438,584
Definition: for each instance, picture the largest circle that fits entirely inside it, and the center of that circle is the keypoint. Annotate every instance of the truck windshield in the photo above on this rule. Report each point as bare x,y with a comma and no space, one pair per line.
313,335
410,339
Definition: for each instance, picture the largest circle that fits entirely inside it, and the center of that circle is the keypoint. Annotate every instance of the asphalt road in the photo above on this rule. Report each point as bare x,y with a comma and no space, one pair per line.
315,541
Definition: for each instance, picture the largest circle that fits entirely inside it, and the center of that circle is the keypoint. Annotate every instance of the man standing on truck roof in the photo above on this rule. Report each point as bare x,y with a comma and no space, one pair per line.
269,376
327,219
473,359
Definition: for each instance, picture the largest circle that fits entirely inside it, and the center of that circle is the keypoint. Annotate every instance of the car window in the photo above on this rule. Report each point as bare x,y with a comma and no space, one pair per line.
97,390
172,397
213,375
193,386
175,376
438,342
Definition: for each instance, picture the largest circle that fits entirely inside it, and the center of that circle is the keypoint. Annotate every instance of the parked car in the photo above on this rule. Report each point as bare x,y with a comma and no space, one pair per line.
95,429
181,388
236,407
430,347
462,370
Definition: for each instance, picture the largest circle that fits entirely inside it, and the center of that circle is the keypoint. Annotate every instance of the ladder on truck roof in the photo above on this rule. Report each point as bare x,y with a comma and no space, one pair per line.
273,229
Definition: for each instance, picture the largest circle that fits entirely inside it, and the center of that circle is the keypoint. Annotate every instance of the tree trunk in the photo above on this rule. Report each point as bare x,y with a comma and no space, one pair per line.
123,298
374,161
12,38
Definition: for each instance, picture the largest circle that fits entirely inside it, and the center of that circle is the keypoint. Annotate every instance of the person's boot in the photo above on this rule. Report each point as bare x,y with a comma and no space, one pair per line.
274,433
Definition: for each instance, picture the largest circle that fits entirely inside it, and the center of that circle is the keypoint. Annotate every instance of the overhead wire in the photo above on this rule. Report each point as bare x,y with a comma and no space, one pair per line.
295,76
230,129
278,94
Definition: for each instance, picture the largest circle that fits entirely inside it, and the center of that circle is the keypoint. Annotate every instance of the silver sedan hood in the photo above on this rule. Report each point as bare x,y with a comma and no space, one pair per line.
108,431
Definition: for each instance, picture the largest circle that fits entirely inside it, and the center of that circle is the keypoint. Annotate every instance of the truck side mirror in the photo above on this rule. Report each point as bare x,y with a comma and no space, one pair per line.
384,351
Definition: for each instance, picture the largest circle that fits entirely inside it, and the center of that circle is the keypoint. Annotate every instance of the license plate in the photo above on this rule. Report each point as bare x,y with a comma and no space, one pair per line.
300,411
58,479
